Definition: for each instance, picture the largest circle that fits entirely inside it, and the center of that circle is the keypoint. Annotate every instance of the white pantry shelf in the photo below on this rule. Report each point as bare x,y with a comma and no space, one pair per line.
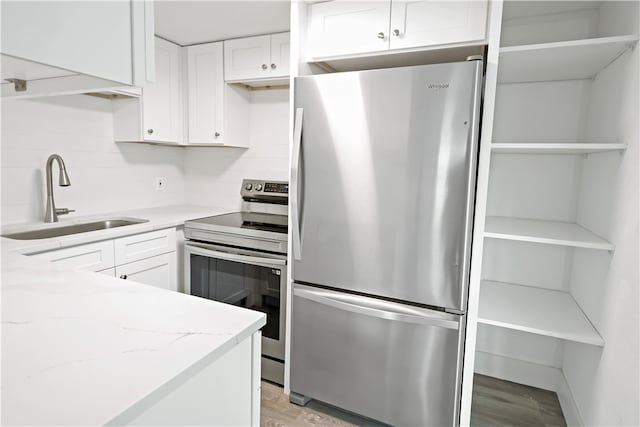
546,232
535,310
554,148
569,60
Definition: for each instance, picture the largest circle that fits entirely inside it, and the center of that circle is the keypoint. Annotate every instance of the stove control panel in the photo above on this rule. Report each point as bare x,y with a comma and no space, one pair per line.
255,190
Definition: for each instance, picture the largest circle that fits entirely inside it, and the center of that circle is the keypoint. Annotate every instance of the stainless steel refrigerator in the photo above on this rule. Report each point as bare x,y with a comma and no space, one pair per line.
382,194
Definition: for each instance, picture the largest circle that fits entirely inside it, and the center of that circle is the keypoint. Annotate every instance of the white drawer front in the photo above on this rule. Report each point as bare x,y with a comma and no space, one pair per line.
94,256
140,246
159,271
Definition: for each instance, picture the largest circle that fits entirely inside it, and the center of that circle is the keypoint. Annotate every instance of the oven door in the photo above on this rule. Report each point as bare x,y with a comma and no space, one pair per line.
245,278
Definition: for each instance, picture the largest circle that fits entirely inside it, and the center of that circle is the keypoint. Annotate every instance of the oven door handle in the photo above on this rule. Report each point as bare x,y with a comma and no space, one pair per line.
293,196
246,259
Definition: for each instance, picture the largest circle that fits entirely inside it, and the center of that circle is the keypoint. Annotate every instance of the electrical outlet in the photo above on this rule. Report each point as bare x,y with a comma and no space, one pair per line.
159,184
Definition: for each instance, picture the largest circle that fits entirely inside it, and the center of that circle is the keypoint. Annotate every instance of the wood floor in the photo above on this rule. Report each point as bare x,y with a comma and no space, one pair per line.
496,403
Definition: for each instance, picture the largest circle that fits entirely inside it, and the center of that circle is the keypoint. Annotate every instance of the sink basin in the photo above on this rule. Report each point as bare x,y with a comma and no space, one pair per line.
45,233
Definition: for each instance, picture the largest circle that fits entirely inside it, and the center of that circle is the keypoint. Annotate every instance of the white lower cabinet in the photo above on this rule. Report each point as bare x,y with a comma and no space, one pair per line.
142,246
148,258
159,271
94,256
234,401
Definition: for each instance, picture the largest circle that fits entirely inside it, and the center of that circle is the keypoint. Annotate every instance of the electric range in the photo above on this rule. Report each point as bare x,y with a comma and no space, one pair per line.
240,258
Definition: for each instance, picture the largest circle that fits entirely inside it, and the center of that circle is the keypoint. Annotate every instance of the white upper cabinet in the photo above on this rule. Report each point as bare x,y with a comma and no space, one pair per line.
161,103
280,54
428,23
156,114
206,86
348,27
351,27
247,58
72,47
254,58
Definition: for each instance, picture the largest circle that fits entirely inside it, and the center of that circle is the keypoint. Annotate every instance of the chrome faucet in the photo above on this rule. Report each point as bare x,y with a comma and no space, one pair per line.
51,213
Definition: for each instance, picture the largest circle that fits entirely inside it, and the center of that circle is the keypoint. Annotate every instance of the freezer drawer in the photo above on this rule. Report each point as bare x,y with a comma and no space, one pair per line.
391,362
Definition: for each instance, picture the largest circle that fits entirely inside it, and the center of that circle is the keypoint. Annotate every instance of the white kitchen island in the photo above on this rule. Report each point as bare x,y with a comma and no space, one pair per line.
80,348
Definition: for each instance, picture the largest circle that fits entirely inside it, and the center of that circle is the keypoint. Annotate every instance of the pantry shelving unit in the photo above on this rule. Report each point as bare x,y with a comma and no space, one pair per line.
562,73
517,307
547,232
565,60
555,147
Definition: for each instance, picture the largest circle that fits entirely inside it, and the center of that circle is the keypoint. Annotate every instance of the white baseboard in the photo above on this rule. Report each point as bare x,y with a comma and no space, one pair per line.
567,403
531,374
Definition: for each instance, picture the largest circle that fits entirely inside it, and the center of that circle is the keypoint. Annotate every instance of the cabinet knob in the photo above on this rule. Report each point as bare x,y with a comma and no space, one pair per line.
381,35
264,66
217,134
149,131
123,276
273,66
396,33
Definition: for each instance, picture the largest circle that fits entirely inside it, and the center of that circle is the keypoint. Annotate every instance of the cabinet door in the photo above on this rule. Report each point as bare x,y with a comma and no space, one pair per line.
91,38
93,256
428,22
348,27
159,271
247,58
161,103
280,48
206,85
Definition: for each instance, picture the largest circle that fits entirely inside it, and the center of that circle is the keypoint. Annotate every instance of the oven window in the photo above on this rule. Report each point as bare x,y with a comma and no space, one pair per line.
244,285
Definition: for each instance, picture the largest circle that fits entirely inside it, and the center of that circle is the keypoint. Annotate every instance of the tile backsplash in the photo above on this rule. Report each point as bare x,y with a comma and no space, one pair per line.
107,176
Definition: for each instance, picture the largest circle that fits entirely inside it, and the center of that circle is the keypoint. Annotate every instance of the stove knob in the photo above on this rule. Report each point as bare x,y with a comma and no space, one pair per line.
259,187
248,187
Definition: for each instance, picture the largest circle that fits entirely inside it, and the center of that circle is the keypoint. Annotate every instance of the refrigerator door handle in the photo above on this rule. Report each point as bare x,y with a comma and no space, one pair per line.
293,196
379,308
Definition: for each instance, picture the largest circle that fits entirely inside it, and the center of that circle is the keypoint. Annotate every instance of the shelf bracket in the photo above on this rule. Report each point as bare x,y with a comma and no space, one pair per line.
18,84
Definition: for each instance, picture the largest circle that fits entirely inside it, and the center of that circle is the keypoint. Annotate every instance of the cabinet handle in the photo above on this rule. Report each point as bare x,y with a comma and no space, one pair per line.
273,66
149,131
264,66
396,33
123,276
217,134
381,35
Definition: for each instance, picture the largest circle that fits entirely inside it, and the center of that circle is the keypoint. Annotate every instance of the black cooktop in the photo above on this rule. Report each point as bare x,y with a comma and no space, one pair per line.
248,220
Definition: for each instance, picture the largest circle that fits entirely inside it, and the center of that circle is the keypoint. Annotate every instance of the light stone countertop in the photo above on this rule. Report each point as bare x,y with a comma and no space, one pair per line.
81,348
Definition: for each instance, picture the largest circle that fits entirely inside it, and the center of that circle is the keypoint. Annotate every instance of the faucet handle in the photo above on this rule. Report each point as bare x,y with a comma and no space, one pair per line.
64,211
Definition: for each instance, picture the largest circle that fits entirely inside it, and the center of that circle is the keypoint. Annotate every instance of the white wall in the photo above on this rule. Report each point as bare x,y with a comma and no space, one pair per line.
105,176
213,176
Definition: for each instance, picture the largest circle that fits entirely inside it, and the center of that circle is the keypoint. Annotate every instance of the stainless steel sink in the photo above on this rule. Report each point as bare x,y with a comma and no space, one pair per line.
45,233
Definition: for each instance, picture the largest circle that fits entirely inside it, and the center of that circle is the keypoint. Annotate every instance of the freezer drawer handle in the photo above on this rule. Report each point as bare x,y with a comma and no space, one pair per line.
359,305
